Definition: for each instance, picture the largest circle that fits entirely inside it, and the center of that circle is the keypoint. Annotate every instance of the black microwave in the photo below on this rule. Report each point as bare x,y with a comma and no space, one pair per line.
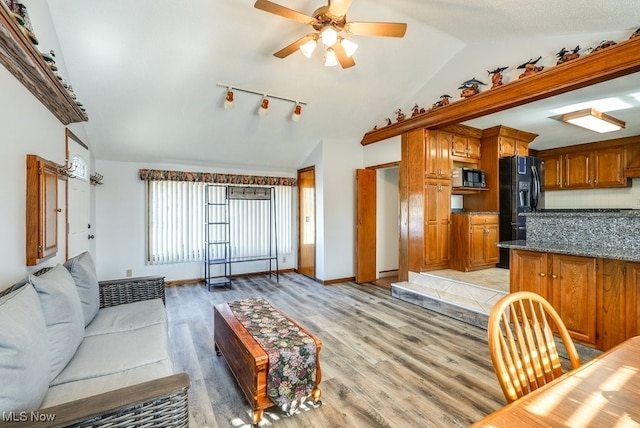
469,177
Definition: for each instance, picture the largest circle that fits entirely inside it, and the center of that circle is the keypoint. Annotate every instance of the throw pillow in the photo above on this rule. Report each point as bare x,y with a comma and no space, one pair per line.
62,313
83,271
24,352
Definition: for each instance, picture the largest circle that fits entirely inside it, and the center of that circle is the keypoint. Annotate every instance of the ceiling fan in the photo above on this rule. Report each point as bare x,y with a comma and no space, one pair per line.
328,21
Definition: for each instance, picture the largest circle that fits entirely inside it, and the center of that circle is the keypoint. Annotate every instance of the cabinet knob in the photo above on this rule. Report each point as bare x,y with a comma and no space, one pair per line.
542,274
58,210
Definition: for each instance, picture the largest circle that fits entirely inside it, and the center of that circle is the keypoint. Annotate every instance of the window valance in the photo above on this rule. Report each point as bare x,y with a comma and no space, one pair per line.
214,177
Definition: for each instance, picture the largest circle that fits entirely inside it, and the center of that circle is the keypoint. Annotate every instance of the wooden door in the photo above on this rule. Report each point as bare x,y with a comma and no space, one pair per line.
437,213
578,170
476,244
473,148
366,225
78,197
458,145
632,282
608,169
528,272
573,282
522,148
507,147
307,222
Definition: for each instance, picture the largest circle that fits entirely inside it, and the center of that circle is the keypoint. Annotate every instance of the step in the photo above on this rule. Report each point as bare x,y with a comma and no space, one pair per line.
463,301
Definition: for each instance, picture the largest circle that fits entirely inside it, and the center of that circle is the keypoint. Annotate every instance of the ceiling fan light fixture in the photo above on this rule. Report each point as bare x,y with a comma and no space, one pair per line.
264,106
594,120
297,112
349,47
330,60
228,100
329,35
308,48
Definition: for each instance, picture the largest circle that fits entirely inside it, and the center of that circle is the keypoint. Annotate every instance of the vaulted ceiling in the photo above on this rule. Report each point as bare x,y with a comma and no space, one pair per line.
146,71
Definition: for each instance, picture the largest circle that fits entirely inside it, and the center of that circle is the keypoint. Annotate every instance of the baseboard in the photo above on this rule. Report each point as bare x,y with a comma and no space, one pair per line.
201,280
338,281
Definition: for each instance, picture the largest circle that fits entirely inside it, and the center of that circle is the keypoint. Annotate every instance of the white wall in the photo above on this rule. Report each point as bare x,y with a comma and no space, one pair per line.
121,225
382,152
27,128
623,197
341,158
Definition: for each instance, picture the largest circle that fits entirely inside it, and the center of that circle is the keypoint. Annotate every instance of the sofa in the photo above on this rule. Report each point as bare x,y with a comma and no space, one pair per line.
78,352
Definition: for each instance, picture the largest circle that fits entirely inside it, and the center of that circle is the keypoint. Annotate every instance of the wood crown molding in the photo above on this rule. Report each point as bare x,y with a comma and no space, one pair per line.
596,67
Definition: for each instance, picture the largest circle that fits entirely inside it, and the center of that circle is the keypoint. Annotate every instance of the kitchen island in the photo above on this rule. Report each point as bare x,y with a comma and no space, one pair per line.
587,265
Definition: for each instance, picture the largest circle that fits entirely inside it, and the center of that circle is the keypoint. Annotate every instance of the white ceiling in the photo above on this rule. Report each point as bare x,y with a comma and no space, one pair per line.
146,71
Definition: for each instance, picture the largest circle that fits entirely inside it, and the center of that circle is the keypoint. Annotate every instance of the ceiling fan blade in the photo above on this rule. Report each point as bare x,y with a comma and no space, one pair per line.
339,7
285,12
288,50
384,29
344,60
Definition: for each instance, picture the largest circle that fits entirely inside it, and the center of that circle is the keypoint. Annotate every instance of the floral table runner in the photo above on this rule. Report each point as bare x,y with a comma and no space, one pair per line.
291,375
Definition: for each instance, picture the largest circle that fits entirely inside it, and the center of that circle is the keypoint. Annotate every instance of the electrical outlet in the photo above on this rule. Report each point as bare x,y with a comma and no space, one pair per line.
284,260
129,273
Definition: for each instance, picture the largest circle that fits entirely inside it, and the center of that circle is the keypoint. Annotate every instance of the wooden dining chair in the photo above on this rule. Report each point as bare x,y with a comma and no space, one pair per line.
522,345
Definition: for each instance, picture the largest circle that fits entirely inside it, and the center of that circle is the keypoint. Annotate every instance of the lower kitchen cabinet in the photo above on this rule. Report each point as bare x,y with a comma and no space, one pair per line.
567,282
437,212
473,241
619,294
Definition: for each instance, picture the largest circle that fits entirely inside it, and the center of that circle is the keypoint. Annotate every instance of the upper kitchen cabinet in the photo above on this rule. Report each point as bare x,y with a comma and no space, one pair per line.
464,142
602,164
438,154
25,62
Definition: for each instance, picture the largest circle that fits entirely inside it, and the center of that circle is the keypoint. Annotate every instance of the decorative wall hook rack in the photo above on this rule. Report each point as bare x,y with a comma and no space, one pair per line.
96,178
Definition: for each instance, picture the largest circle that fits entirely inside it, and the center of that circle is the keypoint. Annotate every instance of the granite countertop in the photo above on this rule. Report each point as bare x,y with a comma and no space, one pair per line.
584,213
629,255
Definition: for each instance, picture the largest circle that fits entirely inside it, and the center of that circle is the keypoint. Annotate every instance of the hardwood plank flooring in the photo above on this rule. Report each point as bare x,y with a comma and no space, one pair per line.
385,362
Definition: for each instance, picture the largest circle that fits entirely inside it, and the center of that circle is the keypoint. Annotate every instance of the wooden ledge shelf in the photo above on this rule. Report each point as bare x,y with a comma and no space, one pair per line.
596,67
25,62
467,190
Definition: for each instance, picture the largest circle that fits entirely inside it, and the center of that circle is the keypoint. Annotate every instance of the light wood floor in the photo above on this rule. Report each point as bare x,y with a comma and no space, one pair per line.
385,362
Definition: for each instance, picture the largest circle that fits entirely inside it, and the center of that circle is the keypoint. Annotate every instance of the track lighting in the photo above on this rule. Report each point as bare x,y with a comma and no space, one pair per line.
228,100
264,106
297,111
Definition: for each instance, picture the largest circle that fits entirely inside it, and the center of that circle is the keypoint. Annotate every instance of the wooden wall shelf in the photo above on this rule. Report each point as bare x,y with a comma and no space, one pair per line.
25,62
615,61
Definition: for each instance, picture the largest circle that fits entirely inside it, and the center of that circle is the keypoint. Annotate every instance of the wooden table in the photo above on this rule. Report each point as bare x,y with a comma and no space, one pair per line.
248,361
604,392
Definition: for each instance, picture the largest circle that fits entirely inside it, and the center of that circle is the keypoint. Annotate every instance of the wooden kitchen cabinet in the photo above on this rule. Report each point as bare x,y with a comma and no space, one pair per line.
463,147
567,282
437,212
620,313
553,171
473,241
601,167
42,210
510,146
438,158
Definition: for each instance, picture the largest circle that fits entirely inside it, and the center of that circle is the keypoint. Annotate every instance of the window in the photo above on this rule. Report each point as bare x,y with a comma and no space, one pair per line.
175,223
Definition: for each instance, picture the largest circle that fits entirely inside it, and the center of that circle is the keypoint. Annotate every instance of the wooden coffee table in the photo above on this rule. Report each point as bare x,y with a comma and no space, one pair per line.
248,361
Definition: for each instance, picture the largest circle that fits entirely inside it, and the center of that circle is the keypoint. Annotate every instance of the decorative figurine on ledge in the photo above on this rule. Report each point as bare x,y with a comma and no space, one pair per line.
470,88
444,100
565,55
604,44
416,110
496,76
635,34
388,121
530,67
399,115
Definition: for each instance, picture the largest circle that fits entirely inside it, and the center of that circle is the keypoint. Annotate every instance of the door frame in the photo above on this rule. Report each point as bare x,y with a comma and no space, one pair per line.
371,256
69,135
301,214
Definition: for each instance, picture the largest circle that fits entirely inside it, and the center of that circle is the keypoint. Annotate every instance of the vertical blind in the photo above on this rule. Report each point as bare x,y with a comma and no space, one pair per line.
176,223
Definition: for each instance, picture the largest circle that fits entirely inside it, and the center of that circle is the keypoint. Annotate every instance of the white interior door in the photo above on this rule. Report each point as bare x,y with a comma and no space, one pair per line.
78,197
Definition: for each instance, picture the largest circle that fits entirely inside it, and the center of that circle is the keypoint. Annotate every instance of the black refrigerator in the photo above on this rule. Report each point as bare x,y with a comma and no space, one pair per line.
521,191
